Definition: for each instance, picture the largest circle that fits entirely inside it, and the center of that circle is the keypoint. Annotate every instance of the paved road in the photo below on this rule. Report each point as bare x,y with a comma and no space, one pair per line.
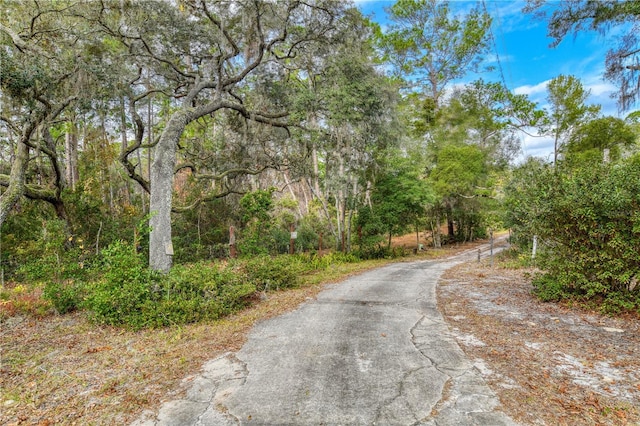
372,350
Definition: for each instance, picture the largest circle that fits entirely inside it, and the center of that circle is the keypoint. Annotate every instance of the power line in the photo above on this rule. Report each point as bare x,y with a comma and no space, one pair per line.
495,49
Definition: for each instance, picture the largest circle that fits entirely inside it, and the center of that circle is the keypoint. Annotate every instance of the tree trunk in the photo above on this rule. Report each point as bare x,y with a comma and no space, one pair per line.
289,184
123,145
341,202
435,230
16,181
450,230
340,234
316,170
71,159
162,168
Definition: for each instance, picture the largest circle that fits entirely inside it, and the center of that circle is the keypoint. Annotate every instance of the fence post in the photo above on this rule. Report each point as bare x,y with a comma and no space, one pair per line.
491,246
292,240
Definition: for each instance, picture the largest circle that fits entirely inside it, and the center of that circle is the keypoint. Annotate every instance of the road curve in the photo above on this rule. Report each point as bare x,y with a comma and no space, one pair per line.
372,350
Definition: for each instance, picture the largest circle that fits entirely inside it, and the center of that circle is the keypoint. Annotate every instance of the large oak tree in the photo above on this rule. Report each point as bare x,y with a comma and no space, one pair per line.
206,53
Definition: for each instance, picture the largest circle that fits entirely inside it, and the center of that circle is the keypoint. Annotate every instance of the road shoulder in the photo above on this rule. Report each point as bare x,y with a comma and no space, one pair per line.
547,363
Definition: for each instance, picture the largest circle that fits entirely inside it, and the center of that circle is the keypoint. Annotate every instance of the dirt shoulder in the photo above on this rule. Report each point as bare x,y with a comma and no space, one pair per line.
548,363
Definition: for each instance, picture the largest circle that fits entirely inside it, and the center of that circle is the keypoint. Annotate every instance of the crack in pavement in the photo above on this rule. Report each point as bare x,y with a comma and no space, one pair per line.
202,399
469,399
388,410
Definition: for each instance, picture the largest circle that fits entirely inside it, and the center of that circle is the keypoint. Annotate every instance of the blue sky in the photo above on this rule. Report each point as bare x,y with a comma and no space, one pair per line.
528,63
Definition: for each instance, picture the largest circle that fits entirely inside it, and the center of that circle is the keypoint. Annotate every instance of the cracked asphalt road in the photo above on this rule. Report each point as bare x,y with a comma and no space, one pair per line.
371,350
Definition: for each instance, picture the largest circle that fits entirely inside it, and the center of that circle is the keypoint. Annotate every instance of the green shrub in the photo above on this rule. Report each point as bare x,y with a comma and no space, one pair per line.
132,295
316,262
272,273
618,302
126,285
65,296
588,225
218,289
548,289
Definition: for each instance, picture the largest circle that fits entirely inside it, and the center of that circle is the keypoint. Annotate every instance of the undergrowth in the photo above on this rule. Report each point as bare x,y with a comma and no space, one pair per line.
117,288
571,285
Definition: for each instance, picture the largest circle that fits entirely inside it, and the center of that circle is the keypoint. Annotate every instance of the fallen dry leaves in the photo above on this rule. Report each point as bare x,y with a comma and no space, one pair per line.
549,364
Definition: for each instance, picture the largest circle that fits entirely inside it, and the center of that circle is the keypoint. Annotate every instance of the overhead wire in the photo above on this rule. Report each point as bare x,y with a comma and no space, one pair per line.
498,61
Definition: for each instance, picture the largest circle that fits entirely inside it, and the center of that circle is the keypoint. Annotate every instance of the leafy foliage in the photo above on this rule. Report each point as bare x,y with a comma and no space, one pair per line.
400,198
567,110
589,141
433,47
273,273
589,222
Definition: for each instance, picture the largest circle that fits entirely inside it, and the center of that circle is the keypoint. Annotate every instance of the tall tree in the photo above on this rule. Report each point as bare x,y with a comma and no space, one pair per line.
44,71
358,107
589,142
567,110
399,198
430,47
623,61
471,140
208,51
349,104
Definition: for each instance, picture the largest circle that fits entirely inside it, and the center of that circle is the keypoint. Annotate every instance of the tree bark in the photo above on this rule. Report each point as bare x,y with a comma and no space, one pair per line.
316,170
71,158
16,181
162,169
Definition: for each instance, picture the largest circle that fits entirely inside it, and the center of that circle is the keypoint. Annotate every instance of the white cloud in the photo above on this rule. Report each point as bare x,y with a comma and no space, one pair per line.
530,90
601,88
494,59
537,146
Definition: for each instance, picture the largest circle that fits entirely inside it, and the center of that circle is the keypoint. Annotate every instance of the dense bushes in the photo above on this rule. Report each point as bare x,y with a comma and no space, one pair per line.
120,290
588,220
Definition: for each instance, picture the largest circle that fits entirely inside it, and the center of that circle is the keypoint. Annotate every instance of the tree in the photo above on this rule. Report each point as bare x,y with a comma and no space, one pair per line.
588,223
623,62
358,105
349,106
471,141
590,140
44,72
525,194
400,197
458,173
430,47
567,110
207,52
494,116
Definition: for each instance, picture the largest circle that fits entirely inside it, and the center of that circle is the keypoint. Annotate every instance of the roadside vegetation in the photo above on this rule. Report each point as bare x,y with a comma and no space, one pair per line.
586,221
